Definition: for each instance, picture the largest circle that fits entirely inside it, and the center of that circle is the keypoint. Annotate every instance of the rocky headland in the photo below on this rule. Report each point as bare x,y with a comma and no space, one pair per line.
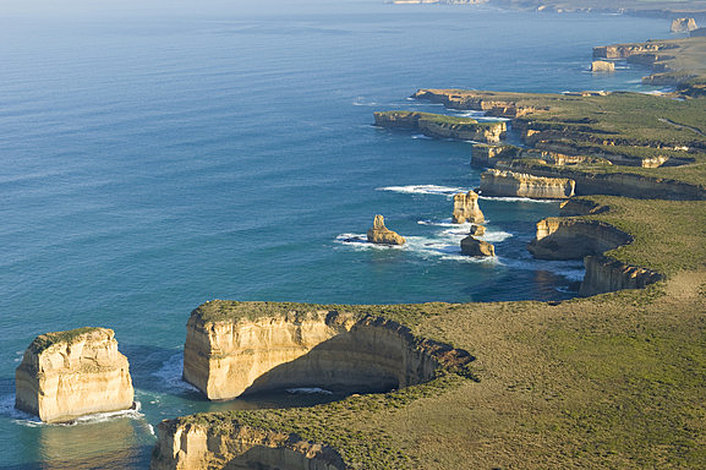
68,374
442,126
571,238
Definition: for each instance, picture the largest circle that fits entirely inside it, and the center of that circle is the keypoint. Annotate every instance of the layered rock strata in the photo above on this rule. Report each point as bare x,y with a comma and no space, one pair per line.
507,183
68,374
184,445
605,274
236,348
382,235
442,126
466,209
474,247
494,104
602,66
565,238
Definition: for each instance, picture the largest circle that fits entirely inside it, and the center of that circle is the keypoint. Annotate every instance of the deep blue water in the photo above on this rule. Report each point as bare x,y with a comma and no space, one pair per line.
157,157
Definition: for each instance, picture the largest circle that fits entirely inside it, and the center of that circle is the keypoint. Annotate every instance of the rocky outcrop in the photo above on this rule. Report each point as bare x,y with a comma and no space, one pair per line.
602,66
494,104
507,183
683,25
236,348
68,374
623,51
466,209
186,445
565,238
442,126
477,230
604,274
473,247
382,235
576,206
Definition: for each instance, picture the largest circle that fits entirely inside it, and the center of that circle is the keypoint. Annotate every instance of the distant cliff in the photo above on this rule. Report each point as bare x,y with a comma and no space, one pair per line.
442,126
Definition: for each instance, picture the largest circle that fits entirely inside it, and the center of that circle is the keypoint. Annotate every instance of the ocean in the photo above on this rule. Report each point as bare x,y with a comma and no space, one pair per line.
157,155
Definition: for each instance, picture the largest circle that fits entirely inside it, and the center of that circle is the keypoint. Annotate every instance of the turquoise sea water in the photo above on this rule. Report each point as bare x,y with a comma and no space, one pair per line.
158,157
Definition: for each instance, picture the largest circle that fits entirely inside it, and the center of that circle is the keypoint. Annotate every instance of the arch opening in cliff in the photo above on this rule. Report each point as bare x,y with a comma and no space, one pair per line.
255,347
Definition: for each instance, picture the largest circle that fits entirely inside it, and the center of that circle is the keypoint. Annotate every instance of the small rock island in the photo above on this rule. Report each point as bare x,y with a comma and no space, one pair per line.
382,235
67,374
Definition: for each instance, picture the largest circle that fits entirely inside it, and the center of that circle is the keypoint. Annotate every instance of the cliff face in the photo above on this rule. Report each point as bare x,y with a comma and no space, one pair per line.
507,183
73,373
466,99
623,51
336,351
604,274
466,209
561,238
602,66
441,126
187,446
382,235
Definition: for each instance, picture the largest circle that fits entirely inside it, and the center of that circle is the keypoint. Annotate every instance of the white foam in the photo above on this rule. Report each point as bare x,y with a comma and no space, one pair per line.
421,137
361,101
516,199
309,391
171,373
359,241
7,408
572,270
431,189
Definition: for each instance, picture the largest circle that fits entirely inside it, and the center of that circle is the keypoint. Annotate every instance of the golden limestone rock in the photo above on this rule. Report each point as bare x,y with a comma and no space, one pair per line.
382,235
683,25
508,183
466,208
473,247
602,66
68,374
477,230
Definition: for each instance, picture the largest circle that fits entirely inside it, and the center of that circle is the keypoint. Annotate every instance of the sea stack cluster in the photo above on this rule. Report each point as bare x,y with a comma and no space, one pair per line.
68,374
466,209
382,235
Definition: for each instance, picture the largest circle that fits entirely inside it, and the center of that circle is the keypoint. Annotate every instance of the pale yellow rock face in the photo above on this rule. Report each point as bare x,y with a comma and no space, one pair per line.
382,235
194,447
602,66
477,230
508,183
74,373
466,208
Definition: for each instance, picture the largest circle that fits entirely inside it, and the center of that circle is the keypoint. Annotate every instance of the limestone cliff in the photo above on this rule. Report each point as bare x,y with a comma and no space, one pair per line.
507,183
466,208
442,126
602,66
68,374
382,235
473,247
184,445
477,101
623,51
234,348
566,238
683,25
604,274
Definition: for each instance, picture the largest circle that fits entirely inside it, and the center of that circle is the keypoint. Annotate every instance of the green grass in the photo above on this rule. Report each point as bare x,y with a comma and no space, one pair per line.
47,340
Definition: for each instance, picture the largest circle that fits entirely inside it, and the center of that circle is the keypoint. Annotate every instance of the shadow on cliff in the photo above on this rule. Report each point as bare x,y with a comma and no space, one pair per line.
268,458
358,361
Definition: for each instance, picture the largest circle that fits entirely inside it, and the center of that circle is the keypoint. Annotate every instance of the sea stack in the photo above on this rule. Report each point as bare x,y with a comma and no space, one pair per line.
68,374
474,247
683,25
477,230
466,208
602,66
508,183
382,235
